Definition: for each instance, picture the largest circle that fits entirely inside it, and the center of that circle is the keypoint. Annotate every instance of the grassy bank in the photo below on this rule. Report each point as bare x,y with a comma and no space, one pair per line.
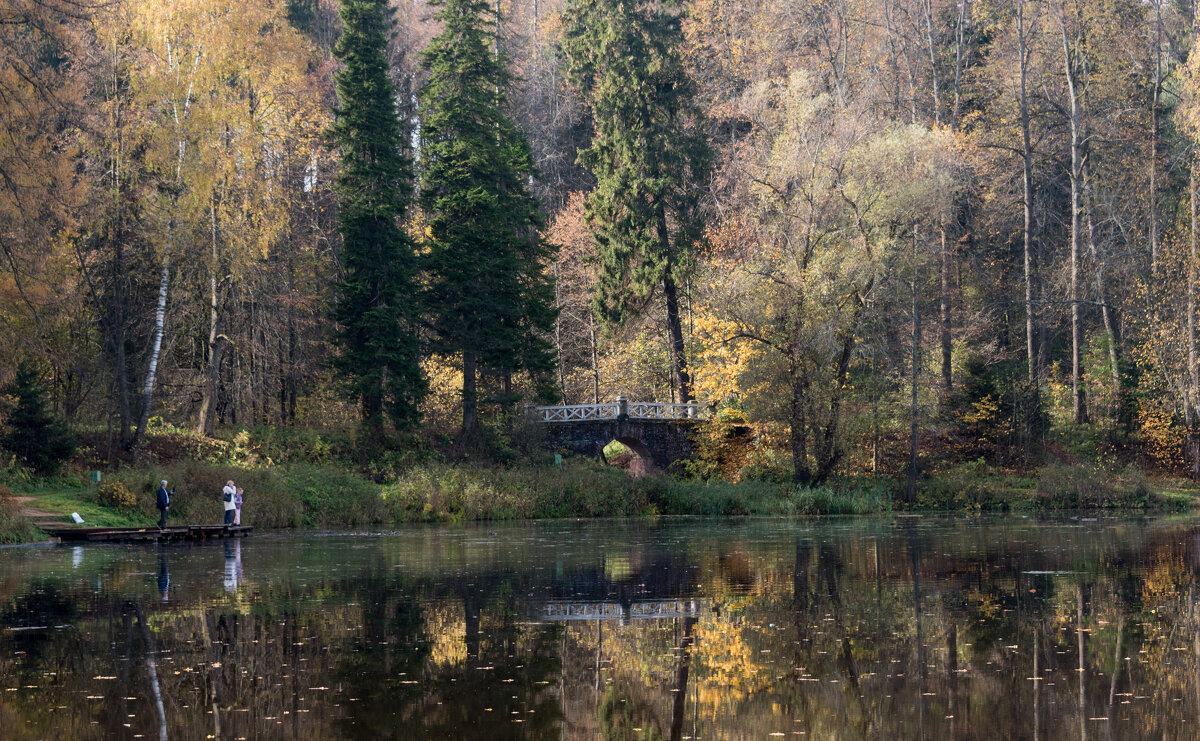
330,495
14,528
311,479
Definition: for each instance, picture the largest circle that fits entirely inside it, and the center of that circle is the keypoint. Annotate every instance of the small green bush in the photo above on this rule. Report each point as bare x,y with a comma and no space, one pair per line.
1131,489
972,486
114,493
1070,486
767,465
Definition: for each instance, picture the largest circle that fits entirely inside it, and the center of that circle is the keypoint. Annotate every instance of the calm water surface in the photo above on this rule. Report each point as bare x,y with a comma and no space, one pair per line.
896,628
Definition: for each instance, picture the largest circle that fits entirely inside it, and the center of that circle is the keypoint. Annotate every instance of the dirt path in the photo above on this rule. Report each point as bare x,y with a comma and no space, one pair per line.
33,513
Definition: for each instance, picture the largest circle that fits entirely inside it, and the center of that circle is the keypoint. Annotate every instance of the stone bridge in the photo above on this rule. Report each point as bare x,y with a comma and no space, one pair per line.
656,433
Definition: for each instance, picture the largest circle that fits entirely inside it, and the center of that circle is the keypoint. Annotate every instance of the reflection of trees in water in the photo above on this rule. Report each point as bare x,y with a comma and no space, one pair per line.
894,644
878,633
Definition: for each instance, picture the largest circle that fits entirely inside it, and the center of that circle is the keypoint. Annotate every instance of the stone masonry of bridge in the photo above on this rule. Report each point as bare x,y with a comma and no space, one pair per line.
660,442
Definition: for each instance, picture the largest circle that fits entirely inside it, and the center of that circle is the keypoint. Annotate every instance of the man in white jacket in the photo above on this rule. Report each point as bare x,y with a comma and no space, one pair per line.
228,493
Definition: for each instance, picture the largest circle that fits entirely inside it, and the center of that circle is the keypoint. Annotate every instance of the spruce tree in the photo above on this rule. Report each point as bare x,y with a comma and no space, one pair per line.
488,297
39,439
376,310
648,155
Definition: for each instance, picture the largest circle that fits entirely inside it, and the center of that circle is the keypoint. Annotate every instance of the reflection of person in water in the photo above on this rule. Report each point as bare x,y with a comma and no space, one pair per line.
164,576
233,565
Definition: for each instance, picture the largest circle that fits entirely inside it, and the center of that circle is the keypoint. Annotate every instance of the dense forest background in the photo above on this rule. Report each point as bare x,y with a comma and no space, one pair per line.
894,230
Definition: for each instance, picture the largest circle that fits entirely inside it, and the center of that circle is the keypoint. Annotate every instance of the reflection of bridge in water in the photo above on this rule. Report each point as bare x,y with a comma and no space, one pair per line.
623,612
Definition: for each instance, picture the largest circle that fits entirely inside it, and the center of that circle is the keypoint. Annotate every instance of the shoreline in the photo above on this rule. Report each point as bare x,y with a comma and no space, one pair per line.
306,497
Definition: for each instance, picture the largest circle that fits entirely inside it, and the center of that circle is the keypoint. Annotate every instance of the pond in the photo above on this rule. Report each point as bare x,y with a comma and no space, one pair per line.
693,629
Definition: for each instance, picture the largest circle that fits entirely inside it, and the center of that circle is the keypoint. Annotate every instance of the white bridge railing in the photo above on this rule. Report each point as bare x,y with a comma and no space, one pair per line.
643,610
622,408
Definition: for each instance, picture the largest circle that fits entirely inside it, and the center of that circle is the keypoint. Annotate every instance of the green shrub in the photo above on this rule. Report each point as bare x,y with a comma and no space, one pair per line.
1071,486
1131,490
768,465
114,493
972,486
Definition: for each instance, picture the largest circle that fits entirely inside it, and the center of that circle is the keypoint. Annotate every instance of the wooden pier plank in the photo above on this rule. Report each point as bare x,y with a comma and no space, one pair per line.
151,534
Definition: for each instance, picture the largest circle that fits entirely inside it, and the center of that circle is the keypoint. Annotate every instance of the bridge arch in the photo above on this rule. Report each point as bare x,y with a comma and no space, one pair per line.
643,457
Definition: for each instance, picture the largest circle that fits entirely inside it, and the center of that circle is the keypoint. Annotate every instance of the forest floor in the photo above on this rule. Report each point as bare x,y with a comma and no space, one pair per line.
311,480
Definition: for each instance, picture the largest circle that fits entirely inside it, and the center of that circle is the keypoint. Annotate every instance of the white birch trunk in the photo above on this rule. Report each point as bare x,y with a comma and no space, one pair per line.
155,349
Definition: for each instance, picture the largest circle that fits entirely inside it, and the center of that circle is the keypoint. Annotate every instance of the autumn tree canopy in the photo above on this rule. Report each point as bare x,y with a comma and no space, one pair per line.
872,234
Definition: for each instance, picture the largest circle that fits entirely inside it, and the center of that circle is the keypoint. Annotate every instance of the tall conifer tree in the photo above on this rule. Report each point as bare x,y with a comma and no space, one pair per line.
376,311
648,155
489,298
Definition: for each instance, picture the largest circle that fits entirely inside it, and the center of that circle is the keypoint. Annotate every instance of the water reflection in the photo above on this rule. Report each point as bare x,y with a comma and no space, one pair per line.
870,629
233,563
164,575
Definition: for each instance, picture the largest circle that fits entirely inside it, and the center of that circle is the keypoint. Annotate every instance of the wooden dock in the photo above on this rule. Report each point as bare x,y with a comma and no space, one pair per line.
147,534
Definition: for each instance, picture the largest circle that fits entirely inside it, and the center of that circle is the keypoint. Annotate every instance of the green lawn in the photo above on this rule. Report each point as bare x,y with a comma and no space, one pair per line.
77,500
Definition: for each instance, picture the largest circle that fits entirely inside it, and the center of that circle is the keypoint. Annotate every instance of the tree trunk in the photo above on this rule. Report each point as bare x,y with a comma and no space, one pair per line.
933,70
894,65
959,43
828,452
115,89
208,405
122,364
947,340
595,367
1101,291
874,414
292,385
683,380
1079,411
910,491
470,398
209,399
801,473
558,342
1027,173
1154,102
152,370
1193,366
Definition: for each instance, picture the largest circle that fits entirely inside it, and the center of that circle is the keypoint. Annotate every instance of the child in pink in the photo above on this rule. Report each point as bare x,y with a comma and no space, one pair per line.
237,507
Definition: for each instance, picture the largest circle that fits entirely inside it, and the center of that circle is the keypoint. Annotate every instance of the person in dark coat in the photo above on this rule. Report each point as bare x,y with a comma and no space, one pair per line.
163,502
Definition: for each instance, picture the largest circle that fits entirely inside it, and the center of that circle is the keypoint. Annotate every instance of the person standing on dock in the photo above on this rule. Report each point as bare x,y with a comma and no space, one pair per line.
229,492
237,507
163,502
